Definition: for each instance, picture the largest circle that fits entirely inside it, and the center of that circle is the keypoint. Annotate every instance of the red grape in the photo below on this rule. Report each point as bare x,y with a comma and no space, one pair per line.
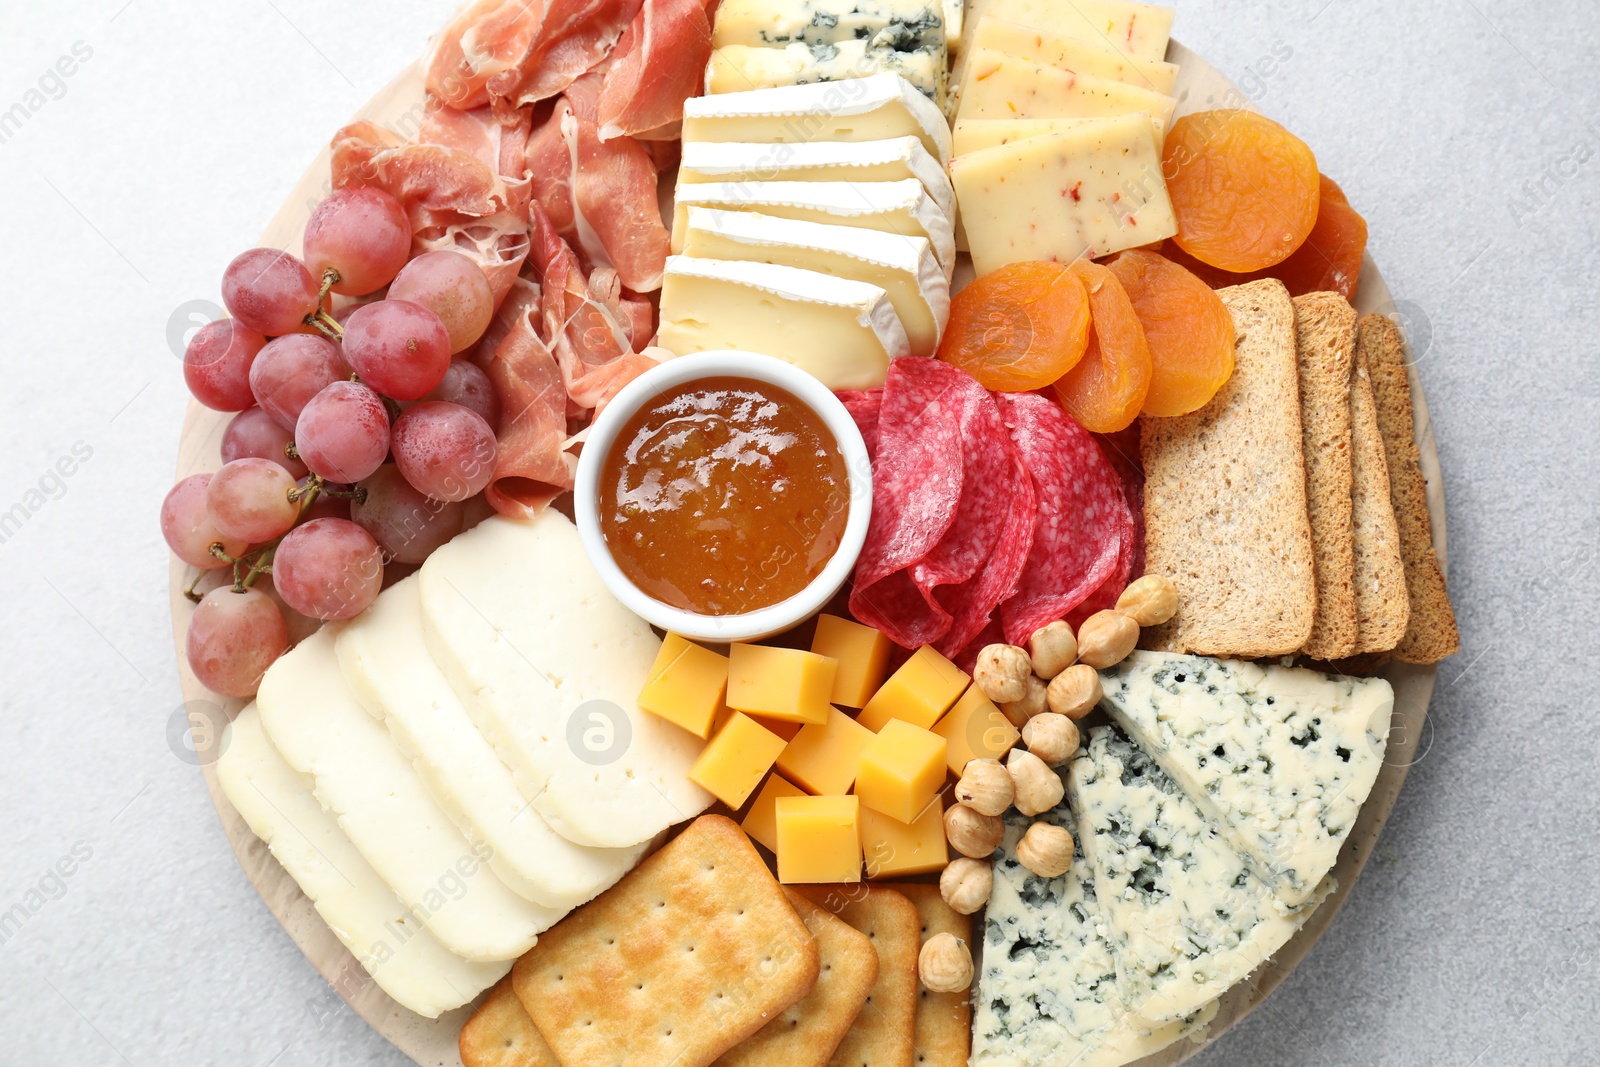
188,528
465,383
249,499
328,569
444,450
233,638
254,434
293,369
399,348
217,363
269,291
407,525
454,288
363,234
343,433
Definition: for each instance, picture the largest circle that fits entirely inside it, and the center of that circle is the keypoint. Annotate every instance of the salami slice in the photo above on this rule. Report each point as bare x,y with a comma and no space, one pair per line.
972,603
864,406
1121,450
1083,517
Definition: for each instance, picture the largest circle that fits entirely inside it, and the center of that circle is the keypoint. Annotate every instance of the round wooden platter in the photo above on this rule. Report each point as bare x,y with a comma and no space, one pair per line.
432,1042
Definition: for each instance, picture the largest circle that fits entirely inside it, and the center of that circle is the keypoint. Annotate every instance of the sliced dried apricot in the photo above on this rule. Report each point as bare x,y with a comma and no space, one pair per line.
1105,391
1018,328
1243,188
1188,329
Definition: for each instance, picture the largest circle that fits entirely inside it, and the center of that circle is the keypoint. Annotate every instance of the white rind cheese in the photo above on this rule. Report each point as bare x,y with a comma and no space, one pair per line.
1047,992
386,664
1281,758
904,267
841,331
549,665
858,109
403,958
362,778
1001,86
904,25
1187,916
737,68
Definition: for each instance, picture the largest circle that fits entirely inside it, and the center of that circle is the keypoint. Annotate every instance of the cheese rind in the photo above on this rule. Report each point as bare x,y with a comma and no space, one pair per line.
1001,86
904,267
1065,52
1281,758
737,68
403,958
843,332
1087,191
906,25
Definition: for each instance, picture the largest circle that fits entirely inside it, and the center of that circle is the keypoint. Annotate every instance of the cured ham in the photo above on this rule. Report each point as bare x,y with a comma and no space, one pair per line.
657,65
487,39
575,38
535,462
423,177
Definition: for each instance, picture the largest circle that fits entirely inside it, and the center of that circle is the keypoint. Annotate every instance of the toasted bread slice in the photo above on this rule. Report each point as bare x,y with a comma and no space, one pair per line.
1431,633
1383,607
1225,497
1325,341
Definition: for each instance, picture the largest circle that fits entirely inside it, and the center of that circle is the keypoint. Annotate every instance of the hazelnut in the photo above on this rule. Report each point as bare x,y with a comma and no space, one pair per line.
1150,601
1053,649
1075,691
972,833
985,787
1002,673
945,964
1106,638
965,885
1037,787
1033,702
1046,850
1053,738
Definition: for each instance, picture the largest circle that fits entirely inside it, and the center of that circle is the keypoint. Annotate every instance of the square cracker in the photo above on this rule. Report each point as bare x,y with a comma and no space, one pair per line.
883,1033
943,1035
807,1032
500,1034
690,954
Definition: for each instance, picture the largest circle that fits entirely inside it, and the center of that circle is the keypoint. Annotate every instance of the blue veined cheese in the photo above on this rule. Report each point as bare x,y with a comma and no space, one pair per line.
1282,758
736,67
1047,991
904,25
1187,916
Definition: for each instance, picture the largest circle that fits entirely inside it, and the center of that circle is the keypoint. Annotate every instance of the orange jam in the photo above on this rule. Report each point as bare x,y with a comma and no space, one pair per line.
723,495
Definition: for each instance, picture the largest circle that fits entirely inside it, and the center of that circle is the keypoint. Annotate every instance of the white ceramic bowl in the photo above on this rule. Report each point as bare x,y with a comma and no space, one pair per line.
763,622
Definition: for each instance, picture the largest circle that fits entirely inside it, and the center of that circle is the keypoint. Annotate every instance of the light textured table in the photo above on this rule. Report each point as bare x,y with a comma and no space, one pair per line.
1467,134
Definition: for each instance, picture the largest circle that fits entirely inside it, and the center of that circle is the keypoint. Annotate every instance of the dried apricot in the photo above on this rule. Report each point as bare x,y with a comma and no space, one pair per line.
1018,328
1105,391
1243,188
1188,328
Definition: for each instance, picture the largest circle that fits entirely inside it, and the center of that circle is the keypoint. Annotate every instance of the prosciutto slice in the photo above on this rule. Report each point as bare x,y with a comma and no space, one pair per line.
486,39
658,64
575,38
535,463
423,177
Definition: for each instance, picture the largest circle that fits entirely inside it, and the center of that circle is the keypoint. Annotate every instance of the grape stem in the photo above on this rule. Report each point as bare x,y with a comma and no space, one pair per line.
189,593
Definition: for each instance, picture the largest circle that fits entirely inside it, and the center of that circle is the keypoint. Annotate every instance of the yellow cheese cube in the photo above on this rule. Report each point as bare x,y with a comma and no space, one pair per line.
761,821
863,655
780,683
818,839
731,766
785,730
901,771
823,758
686,685
919,692
975,729
894,849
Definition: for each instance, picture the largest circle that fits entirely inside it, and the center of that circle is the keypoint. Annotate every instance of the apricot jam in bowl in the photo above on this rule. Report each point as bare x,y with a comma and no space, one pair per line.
724,496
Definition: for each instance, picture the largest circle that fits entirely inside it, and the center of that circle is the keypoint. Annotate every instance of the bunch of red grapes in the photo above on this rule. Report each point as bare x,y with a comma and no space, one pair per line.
359,436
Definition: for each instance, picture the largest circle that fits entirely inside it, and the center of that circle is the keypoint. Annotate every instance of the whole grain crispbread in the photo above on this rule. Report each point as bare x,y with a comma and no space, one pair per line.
1383,607
1325,341
1431,633
1225,497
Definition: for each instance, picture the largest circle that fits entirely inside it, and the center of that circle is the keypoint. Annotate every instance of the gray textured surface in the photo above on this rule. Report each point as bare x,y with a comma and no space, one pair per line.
1465,132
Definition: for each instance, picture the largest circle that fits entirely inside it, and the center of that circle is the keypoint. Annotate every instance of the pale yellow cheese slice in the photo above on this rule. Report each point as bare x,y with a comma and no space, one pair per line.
1139,30
1068,52
1001,86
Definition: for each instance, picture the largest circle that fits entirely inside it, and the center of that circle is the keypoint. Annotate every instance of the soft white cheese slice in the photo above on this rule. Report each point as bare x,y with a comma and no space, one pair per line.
1281,758
842,332
1086,191
1133,29
387,665
737,68
901,207
907,25
549,665
1188,918
362,778
903,267
1001,86
1075,54
403,958
858,109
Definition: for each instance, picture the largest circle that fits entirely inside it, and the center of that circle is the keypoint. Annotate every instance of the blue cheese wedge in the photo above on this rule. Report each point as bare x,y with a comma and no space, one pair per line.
1187,916
904,25
1281,758
736,67
1047,992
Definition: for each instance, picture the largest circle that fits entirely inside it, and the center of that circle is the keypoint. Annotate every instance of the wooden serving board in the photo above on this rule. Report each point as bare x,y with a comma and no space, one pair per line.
432,1042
